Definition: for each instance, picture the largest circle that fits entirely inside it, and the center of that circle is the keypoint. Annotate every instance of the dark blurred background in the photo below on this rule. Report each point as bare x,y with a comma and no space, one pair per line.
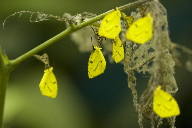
102,102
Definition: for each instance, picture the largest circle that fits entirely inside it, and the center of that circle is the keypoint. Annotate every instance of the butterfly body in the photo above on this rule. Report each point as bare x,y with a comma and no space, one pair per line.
110,26
118,50
141,30
48,85
164,105
96,63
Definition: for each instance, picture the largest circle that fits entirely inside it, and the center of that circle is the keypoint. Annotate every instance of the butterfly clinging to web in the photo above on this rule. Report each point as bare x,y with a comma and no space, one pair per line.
48,84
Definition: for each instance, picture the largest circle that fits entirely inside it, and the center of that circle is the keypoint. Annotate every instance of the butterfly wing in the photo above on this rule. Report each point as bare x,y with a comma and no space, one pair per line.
141,30
110,26
128,19
48,85
118,50
96,63
164,104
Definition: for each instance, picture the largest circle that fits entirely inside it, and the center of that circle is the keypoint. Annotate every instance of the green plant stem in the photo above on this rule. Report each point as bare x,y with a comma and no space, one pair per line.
4,77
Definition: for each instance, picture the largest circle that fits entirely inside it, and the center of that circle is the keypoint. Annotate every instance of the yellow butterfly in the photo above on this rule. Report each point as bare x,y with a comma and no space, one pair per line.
164,105
128,19
48,85
96,63
118,50
110,26
141,30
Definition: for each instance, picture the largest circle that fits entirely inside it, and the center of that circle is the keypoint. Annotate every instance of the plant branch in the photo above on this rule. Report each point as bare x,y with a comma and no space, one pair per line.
68,31
185,49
